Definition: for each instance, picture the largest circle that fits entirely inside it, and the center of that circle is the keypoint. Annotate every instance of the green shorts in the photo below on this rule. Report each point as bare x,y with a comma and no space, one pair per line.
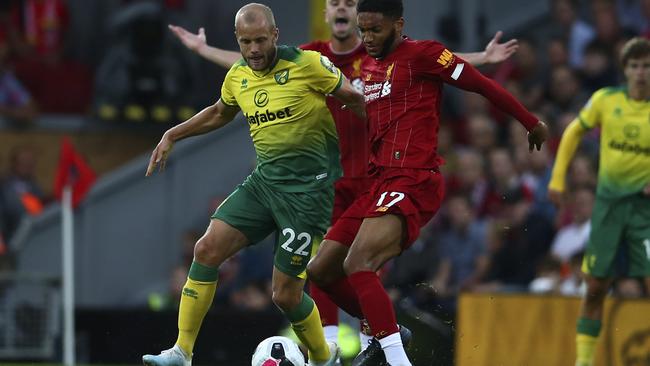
300,218
616,222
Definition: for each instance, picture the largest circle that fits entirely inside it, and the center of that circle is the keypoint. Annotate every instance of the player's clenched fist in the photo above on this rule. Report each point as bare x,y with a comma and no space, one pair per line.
159,154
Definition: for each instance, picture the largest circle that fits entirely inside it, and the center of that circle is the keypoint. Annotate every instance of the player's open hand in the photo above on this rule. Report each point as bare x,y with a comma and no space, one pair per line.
496,52
537,136
159,155
190,40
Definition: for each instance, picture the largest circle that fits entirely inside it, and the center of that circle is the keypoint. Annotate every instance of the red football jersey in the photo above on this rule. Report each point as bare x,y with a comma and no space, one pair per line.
352,131
403,93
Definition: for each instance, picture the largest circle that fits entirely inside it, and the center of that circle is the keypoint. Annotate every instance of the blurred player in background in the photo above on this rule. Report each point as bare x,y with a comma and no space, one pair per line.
281,91
345,49
403,81
621,214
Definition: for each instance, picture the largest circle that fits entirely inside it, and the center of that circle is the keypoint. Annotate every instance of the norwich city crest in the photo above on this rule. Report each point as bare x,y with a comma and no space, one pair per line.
282,76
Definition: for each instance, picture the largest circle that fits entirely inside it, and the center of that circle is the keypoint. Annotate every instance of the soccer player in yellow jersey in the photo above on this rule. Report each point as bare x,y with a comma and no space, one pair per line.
281,91
621,214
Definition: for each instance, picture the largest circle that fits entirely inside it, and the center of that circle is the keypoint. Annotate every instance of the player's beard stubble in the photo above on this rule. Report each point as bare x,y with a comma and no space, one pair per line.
388,43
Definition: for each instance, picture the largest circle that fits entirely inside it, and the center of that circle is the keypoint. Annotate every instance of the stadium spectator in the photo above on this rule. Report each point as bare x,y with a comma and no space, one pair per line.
548,278
16,103
468,177
564,92
571,239
576,31
462,253
482,132
582,172
520,239
557,52
503,178
598,69
525,69
414,267
606,24
58,83
20,194
573,283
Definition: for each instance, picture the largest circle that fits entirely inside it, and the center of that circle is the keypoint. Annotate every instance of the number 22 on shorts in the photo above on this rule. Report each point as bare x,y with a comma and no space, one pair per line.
396,197
304,239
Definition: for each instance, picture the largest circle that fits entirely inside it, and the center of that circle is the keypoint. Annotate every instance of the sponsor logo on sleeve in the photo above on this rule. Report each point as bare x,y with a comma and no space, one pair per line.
446,58
327,64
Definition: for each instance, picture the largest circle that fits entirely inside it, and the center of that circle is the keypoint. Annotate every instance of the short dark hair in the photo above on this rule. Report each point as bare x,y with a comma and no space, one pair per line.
390,8
636,47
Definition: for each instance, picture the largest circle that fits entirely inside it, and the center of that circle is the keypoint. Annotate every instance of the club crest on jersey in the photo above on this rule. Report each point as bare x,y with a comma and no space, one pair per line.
446,58
356,67
389,71
328,64
261,98
244,83
631,131
282,76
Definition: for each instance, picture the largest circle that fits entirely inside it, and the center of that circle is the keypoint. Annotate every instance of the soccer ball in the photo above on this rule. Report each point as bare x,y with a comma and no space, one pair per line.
278,351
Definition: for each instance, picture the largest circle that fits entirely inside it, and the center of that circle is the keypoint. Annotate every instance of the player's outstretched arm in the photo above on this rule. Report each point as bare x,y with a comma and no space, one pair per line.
568,145
198,44
467,77
209,119
351,98
494,52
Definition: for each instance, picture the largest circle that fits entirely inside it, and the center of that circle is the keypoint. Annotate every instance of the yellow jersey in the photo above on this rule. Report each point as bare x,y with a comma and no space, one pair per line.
624,141
292,130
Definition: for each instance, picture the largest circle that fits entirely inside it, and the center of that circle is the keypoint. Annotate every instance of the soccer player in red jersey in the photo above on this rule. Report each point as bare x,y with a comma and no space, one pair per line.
403,82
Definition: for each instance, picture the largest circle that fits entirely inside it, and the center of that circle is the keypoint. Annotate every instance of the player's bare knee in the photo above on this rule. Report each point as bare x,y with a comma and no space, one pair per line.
206,252
596,289
354,264
314,273
286,300
317,272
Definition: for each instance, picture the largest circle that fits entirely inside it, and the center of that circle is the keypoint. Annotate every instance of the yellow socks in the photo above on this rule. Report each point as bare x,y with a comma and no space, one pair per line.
196,300
586,339
305,321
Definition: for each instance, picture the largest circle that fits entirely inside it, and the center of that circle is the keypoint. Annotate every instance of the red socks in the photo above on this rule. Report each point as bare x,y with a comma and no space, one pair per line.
329,312
343,295
377,306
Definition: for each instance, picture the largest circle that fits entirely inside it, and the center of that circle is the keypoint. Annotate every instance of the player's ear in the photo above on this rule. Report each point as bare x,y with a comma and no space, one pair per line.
276,34
399,25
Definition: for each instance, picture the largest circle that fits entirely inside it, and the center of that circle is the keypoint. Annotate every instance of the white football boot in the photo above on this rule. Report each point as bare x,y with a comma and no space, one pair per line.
169,357
335,354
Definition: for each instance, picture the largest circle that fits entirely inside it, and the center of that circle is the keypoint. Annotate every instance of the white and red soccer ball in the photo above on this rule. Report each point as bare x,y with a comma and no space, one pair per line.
278,351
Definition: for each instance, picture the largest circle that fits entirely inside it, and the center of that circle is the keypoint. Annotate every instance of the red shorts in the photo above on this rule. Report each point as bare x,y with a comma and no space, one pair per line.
346,190
415,194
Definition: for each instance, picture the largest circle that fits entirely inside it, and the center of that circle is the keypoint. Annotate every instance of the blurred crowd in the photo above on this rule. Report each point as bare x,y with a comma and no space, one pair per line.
496,231
140,75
